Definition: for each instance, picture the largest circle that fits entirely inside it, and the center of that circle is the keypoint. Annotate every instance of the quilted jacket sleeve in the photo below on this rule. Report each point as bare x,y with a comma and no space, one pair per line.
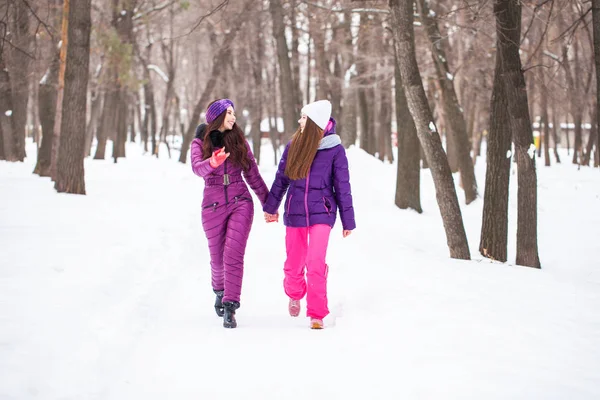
280,186
199,166
343,192
255,180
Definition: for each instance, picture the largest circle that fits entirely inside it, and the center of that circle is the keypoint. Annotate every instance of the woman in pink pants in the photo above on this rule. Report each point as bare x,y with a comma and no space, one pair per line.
313,170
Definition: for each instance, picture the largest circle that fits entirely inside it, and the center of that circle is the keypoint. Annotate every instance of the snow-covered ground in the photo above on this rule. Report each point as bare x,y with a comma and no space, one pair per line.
107,296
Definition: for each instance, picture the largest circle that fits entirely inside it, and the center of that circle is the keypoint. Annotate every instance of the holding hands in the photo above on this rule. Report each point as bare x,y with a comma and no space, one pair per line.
218,157
271,217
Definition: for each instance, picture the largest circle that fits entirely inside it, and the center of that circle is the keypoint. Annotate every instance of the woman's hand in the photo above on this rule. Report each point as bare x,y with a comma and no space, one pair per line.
271,217
346,233
218,157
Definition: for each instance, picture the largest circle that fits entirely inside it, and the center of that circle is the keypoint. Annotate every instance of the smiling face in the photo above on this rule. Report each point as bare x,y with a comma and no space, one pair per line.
229,119
302,122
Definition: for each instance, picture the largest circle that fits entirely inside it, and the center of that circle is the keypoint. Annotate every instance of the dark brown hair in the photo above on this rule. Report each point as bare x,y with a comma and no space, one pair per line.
233,141
303,150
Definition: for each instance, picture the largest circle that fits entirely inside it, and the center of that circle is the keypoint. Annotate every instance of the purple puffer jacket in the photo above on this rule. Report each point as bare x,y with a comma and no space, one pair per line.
317,198
215,193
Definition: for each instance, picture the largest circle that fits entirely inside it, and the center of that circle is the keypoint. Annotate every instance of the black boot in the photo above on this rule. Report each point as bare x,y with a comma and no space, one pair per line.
229,317
219,302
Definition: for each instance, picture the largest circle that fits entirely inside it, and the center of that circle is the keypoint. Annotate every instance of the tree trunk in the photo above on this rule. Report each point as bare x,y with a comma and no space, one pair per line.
118,150
308,68
347,118
349,122
567,133
168,52
19,66
578,105
508,27
364,69
295,54
385,116
555,130
596,28
256,62
402,27
7,121
472,130
273,112
494,226
122,22
107,121
47,106
456,125
142,123
318,33
96,111
60,93
150,104
545,133
210,85
286,82
2,157
336,53
408,180
70,173
591,139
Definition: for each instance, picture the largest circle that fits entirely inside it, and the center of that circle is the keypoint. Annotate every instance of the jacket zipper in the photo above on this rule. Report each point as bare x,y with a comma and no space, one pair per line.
213,206
306,198
325,206
225,181
240,198
289,204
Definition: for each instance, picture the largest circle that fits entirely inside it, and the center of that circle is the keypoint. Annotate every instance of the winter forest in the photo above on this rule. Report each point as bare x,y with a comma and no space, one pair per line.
436,79
471,130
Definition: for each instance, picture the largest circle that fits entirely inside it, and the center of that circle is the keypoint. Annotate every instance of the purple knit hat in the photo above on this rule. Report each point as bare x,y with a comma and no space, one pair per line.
216,108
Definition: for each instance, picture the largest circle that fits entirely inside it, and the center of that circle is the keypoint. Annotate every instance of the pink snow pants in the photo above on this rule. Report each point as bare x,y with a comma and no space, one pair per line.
307,247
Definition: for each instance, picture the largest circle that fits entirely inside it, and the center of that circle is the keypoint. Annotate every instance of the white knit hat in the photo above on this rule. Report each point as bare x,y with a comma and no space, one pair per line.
319,112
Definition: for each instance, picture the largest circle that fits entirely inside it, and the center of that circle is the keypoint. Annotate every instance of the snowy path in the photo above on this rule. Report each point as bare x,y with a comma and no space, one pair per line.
108,297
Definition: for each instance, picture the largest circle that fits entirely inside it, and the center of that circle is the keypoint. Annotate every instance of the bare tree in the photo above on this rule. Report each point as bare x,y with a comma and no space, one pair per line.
402,27
408,179
596,29
453,112
47,109
60,89
508,26
287,88
212,81
494,226
7,121
70,172
20,62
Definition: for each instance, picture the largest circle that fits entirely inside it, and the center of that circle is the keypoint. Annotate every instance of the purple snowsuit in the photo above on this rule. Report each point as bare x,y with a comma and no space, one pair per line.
317,198
227,214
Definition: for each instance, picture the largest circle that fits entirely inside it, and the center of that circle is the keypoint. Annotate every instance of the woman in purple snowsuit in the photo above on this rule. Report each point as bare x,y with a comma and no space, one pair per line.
221,155
313,170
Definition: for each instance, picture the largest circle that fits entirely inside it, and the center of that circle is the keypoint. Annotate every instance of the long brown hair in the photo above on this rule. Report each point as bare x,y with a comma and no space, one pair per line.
303,150
233,140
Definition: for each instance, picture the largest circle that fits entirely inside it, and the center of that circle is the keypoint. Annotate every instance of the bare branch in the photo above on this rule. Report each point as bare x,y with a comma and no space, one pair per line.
536,66
215,10
574,25
39,19
344,10
154,9
545,29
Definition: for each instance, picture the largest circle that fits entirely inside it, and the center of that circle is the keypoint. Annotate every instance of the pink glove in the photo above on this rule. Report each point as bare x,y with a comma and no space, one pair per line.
218,157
